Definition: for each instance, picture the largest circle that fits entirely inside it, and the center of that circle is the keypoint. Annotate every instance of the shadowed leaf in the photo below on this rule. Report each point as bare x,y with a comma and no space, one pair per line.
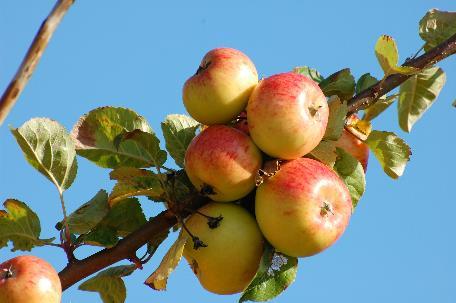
325,152
417,94
309,72
109,284
436,27
341,83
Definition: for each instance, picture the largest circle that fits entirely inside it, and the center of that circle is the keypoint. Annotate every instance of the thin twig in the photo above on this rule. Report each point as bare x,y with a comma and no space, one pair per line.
33,56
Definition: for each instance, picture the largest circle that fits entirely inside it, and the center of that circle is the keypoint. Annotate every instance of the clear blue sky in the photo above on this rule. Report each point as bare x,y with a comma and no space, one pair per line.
400,245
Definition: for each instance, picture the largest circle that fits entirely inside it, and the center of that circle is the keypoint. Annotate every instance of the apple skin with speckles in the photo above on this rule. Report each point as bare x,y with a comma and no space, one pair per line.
233,252
354,147
29,279
304,208
287,115
221,87
223,162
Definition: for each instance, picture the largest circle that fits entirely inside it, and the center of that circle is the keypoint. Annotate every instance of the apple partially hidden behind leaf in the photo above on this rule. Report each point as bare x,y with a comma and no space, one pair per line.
221,87
29,279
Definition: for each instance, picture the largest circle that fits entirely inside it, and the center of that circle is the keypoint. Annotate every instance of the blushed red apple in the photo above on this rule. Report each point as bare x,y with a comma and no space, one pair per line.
354,147
223,162
221,87
233,252
304,208
29,279
287,115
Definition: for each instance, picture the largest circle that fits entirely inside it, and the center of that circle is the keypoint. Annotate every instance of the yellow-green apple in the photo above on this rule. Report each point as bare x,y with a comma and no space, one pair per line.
222,162
233,252
29,279
304,208
355,147
287,115
219,90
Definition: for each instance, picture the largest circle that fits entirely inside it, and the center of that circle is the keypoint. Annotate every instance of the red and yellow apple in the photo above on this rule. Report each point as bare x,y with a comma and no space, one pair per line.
233,252
221,87
304,208
354,147
287,115
223,162
29,279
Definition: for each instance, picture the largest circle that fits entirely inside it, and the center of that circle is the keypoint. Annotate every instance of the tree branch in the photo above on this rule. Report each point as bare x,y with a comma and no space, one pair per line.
370,95
33,56
126,248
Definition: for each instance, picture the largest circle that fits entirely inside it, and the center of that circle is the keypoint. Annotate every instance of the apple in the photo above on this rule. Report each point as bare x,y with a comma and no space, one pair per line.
222,162
354,147
287,115
29,279
221,87
234,248
304,208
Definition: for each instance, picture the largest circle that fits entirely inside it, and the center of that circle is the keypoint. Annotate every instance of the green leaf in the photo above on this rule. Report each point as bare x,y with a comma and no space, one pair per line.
378,107
88,215
352,173
20,225
436,27
179,131
142,146
180,188
388,57
309,72
109,284
325,152
417,94
159,278
336,121
391,151
341,83
48,148
135,182
123,218
96,133
276,272
364,82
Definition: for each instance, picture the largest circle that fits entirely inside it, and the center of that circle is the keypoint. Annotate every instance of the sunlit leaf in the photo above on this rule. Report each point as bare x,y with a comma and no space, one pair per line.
388,57
417,94
351,172
48,147
159,278
96,133
20,225
276,272
109,284
309,72
178,131
436,27
391,151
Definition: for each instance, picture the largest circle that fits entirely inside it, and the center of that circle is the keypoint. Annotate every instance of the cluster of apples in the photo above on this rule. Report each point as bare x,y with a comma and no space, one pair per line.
301,207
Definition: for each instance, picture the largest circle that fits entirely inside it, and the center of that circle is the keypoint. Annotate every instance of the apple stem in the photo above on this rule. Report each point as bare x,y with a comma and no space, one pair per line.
325,209
197,243
7,272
